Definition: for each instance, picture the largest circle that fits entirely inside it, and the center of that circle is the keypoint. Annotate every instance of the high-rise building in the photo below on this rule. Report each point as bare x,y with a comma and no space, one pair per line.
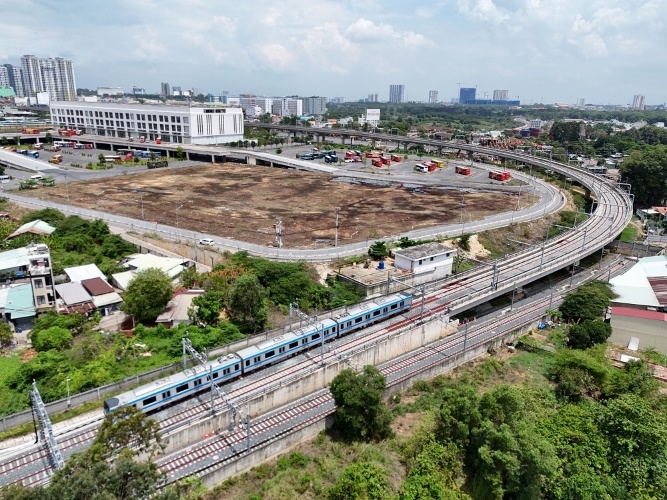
138,90
467,95
165,89
432,96
581,101
54,76
314,105
337,100
501,95
396,93
372,98
15,75
638,102
4,78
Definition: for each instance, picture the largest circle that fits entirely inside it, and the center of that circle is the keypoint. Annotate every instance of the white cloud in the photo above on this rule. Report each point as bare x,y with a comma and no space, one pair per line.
559,49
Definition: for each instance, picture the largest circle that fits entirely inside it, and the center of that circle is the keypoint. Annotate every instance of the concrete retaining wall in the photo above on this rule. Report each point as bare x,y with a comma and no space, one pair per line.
215,475
387,348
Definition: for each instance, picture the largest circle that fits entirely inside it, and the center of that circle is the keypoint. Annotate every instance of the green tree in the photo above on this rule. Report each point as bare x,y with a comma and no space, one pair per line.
147,295
48,215
48,138
152,156
587,334
360,411
206,308
101,159
126,430
362,481
565,131
246,304
180,153
279,150
6,335
589,301
637,436
378,250
464,241
647,170
51,338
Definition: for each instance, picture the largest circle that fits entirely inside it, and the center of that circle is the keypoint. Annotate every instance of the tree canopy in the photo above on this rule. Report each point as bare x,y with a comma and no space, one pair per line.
360,411
147,295
588,302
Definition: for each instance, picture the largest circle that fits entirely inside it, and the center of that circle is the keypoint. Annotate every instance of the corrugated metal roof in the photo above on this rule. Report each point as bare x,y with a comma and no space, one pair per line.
80,273
73,293
123,279
106,299
636,285
422,251
14,258
34,227
97,286
659,286
20,302
170,265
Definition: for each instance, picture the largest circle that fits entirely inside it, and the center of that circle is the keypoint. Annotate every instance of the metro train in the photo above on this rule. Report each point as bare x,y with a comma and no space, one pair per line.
159,393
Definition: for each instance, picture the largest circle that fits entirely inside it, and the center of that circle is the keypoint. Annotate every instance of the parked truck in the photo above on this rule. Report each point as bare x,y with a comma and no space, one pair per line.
377,162
386,161
396,158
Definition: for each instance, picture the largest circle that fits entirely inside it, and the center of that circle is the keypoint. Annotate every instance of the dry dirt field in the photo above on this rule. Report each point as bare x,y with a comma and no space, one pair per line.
242,202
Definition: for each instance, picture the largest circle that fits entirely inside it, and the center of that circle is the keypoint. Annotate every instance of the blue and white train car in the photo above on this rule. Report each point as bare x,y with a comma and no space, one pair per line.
370,312
286,345
178,386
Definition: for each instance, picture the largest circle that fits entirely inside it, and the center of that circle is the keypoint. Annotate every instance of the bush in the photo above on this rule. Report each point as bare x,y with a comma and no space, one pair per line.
588,334
52,338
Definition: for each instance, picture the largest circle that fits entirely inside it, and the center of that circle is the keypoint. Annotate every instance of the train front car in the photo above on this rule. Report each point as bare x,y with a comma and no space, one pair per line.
372,311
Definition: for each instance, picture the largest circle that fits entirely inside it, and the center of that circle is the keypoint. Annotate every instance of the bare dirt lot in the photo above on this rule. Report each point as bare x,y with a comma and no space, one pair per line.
243,202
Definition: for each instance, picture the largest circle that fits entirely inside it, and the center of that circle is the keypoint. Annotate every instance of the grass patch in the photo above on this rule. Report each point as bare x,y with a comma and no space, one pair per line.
629,234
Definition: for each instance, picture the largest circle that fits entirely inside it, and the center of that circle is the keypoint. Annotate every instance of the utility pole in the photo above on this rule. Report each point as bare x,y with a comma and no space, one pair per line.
66,185
336,240
278,226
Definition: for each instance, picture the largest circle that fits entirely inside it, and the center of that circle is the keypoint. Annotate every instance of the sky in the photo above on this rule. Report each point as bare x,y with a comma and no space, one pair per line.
540,50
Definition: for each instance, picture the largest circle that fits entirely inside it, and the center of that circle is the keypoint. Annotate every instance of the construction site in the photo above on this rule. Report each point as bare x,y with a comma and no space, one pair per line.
244,202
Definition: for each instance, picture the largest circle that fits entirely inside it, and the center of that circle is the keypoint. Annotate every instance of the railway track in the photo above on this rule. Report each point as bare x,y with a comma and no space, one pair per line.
614,210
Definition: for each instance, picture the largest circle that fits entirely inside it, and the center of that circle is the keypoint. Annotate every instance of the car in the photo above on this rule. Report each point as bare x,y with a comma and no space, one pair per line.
349,160
206,242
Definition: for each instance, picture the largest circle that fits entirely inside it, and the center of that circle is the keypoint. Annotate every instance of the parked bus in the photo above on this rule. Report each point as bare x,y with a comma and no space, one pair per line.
112,158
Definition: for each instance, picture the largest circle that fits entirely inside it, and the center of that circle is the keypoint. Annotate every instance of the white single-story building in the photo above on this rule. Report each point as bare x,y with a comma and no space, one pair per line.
429,257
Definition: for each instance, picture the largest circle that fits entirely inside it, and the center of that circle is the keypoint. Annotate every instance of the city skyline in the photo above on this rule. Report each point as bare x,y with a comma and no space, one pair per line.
599,49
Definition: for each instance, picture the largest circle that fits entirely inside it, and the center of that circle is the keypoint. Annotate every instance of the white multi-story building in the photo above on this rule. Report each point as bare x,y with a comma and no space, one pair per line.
55,76
264,103
287,106
432,96
176,124
638,102
501,95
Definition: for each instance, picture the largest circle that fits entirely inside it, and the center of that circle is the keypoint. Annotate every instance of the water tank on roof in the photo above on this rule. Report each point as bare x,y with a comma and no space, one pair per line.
381,265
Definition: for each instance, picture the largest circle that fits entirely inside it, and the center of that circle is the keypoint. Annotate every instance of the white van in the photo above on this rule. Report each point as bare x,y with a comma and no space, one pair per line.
37,177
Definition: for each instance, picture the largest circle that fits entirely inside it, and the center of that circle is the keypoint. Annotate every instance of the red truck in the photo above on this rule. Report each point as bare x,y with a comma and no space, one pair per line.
396,158
497,175
386,161
462,170
377,162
